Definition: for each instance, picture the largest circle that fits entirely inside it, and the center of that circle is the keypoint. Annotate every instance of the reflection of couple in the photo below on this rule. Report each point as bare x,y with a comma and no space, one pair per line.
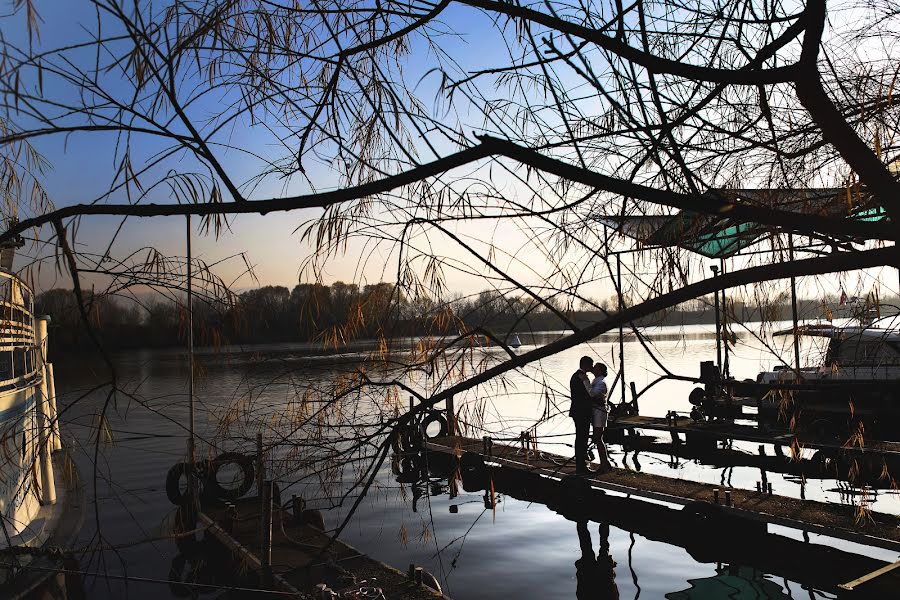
595,575
589,407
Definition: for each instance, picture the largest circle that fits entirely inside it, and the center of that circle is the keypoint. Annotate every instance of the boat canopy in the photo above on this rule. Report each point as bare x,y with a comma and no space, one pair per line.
714,236
838,332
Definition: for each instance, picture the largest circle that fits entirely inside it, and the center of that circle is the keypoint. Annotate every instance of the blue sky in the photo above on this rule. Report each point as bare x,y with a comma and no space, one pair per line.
84,164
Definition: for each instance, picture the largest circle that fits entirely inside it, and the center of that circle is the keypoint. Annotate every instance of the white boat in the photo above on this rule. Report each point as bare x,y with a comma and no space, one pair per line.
37,507
855,387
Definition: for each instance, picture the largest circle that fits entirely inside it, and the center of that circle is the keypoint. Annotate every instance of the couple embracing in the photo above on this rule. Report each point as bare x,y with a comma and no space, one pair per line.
589,408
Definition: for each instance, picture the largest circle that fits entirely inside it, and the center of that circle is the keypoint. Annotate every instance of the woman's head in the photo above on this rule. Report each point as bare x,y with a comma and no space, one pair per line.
599,370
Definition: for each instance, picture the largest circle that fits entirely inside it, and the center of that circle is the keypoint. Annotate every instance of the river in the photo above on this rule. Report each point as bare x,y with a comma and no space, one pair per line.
519,550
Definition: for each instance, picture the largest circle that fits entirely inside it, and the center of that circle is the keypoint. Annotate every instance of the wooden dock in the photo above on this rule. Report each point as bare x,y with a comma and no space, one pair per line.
838,521
302,555
818,565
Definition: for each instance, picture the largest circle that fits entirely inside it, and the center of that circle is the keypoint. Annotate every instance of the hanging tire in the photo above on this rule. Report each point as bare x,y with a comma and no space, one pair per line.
435,417
410,439
248,474
173,483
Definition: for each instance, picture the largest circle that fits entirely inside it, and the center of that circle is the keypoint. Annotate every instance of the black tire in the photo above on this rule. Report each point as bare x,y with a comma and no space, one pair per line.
697,396
216,490
410,439
435,417
173,483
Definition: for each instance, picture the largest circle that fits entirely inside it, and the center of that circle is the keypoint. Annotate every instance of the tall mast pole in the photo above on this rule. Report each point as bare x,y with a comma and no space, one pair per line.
726,371
794,309
715,272
192,488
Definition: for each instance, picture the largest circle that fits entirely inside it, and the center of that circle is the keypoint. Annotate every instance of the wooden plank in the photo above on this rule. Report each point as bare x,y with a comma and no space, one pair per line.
850,586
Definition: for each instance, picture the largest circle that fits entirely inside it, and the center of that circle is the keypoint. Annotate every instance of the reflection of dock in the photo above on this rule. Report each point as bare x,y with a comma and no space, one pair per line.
706,539
879,530
736,533
706,431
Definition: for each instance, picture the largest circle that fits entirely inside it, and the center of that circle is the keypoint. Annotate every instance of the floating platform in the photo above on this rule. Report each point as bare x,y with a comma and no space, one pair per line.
839,521
302,555
722,430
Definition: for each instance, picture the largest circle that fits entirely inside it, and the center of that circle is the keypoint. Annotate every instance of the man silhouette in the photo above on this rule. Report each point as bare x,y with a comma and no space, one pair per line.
581,411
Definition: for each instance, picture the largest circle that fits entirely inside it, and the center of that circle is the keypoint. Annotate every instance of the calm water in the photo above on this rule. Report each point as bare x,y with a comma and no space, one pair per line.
520,550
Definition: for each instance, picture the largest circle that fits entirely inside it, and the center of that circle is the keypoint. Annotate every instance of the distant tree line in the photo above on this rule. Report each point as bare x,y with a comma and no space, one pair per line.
335,314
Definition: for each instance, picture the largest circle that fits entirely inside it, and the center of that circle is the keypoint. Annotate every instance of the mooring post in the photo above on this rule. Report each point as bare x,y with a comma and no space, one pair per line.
634,398
260,464
265,543
451,417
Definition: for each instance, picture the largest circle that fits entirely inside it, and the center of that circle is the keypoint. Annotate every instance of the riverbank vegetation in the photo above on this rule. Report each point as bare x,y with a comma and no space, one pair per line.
335,314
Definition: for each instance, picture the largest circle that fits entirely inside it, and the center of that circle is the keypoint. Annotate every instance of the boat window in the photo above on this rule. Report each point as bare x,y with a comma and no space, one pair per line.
6,371
19,362
868,352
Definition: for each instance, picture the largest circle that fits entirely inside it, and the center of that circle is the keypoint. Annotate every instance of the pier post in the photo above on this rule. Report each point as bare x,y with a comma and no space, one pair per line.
265,542
260,464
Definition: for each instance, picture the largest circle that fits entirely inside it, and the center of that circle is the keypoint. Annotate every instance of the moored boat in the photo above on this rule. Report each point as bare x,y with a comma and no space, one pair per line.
39,501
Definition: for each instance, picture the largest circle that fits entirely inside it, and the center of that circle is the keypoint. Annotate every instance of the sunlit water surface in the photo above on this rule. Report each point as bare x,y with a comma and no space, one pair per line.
520,550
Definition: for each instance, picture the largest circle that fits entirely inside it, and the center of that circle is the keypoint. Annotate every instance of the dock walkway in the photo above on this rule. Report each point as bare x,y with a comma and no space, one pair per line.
839,521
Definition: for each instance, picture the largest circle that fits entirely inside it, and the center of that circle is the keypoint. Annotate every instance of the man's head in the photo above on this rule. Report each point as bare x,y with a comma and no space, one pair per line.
600,370
586,363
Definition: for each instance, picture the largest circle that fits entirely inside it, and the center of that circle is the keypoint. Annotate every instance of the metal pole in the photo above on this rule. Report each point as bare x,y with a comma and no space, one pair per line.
192,457
727,368
621,328
794,310
715,271
451,417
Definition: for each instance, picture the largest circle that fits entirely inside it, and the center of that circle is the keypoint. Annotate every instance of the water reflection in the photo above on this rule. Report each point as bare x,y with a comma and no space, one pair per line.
745,557
733,582
595,575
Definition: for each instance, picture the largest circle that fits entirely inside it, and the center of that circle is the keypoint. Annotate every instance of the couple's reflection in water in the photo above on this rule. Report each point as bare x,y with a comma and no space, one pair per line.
595,573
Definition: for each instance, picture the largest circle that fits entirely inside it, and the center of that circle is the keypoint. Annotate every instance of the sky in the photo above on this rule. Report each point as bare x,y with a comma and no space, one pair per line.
84,164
